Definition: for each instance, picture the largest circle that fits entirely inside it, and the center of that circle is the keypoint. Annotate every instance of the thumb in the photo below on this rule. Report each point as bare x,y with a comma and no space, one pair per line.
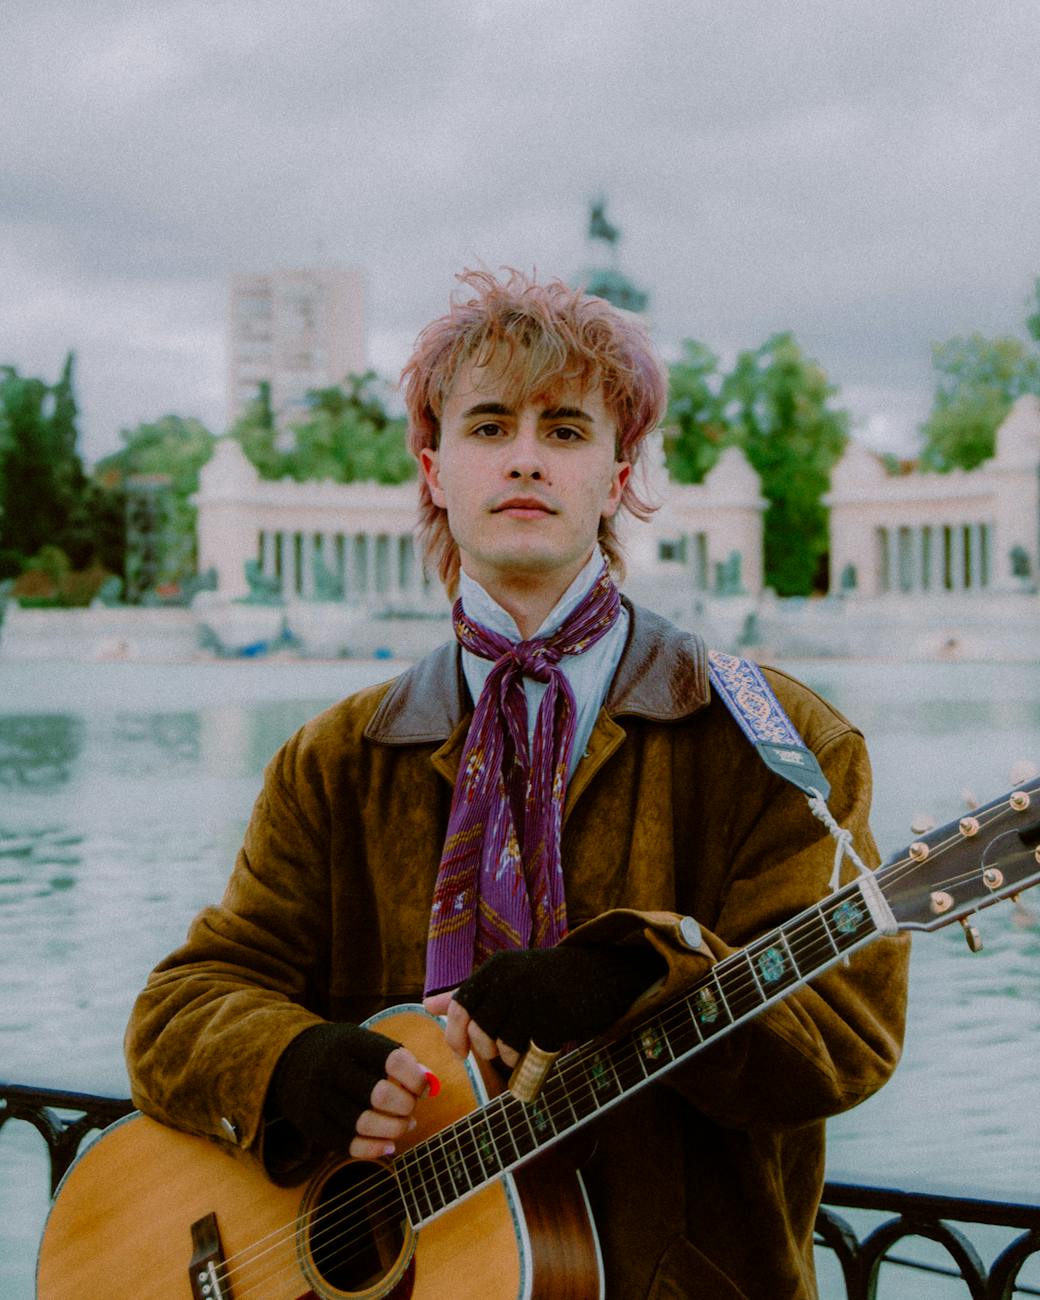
437,1003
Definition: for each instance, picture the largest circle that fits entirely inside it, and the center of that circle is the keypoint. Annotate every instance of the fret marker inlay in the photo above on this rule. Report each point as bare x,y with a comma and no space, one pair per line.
771,965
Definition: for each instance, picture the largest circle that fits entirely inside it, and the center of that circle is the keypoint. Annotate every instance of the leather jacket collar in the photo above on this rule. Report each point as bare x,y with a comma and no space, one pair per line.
662,675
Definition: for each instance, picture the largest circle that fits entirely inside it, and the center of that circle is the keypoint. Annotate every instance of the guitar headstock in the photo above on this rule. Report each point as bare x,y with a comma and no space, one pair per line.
966,865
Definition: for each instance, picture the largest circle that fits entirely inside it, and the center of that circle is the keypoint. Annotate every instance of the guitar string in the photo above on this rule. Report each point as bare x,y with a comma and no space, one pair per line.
521,1115
895,871
441,1162
734,990
441,1159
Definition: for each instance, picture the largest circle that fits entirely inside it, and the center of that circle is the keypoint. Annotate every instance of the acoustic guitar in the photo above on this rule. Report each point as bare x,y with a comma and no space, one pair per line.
476,1206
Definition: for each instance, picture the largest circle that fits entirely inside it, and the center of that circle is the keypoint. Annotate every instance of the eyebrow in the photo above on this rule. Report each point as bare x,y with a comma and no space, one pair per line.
553,413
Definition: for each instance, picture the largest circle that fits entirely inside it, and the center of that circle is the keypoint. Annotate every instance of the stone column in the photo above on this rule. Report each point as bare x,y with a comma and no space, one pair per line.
882,561
934,536
984,553
957,557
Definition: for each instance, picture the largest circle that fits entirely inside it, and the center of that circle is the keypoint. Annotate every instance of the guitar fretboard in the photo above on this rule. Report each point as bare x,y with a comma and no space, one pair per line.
465,1156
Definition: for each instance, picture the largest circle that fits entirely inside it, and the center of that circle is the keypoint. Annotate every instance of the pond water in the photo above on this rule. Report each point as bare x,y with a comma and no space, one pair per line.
124,790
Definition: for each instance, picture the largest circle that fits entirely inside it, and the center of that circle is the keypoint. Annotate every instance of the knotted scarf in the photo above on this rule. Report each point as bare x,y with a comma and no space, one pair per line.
500,881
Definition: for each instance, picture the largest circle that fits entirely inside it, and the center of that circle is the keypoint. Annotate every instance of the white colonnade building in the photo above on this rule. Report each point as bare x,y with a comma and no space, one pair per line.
359,536
964,532
292,534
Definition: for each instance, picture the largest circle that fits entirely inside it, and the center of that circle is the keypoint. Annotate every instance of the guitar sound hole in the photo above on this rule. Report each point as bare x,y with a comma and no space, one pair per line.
357,1227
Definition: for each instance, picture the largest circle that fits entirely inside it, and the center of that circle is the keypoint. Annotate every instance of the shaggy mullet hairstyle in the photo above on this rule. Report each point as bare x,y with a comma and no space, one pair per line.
546,335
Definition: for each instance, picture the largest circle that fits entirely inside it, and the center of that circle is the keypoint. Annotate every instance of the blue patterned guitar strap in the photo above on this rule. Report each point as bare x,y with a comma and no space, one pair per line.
742,687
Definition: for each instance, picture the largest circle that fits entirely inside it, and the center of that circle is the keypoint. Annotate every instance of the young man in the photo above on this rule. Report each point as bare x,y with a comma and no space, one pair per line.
562,769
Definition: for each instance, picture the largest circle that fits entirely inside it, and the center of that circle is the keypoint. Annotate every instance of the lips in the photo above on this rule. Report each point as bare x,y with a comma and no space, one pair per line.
524,504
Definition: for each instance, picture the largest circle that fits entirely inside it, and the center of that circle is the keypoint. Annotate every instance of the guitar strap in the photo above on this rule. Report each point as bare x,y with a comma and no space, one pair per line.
742,687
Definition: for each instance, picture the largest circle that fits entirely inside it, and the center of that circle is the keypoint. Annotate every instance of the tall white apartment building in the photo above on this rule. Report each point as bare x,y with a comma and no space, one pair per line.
296,329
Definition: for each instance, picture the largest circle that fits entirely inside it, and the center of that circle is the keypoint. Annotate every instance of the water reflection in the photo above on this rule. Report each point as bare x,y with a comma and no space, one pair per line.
39,751
121,817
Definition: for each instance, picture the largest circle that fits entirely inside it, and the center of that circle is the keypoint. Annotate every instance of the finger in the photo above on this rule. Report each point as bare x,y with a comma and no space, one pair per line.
390,1098
437,1003
374,1124
403,1068
482,1044
456,1029
370,1148
508,1054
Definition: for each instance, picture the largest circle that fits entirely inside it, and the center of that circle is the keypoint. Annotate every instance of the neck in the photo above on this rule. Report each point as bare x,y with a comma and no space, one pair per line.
529,598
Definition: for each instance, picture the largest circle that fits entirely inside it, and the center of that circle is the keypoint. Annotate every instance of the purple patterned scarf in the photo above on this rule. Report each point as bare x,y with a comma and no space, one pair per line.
500,882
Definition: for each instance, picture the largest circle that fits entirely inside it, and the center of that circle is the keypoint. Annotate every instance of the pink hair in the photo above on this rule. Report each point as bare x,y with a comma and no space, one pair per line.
549,335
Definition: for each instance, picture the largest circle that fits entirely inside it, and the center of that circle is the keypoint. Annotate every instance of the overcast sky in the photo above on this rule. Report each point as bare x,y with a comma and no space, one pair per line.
865,173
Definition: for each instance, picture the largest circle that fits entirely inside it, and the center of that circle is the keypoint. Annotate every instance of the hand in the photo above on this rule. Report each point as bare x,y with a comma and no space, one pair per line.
546,995
348,1089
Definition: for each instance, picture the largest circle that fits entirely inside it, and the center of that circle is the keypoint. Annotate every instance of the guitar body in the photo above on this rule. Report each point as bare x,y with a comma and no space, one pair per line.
135,1208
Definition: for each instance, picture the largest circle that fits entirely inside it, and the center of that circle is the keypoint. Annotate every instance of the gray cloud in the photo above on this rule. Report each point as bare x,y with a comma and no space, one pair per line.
865,175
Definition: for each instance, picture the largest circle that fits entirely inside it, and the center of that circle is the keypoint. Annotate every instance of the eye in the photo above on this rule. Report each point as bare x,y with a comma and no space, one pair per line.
486,430
567,433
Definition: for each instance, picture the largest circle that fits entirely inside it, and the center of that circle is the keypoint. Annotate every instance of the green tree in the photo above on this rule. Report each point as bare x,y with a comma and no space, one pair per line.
43,487
350,437
978,381
775,403
792,437
175,448
347,437
257,432
696,420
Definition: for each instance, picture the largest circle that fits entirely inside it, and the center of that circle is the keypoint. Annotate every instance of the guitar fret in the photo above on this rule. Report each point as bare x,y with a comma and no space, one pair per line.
811,943
522,1138
683,1035
627,1068
540,1117
456,1164
435,1189
485,1144
420,1186
741,994
722,995
403,1171
795,968
476,1170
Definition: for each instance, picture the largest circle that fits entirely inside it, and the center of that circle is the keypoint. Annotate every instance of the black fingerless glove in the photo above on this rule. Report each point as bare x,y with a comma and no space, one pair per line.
324,1080
552,996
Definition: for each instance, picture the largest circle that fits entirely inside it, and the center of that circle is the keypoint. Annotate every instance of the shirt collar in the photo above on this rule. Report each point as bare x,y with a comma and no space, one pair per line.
663,676
484,609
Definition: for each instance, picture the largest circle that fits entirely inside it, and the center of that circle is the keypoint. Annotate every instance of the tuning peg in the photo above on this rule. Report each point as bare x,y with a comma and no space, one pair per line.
921,823
971,799
972,935
1024,918
1022,771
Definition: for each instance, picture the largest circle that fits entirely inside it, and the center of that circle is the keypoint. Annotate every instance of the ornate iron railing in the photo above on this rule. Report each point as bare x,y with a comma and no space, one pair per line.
934,1217
65,1118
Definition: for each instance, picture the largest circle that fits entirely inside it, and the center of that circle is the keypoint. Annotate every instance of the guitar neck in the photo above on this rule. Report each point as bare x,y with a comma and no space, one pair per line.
465,1156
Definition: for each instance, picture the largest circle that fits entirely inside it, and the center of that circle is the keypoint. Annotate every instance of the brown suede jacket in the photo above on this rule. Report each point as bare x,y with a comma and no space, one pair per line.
705,1184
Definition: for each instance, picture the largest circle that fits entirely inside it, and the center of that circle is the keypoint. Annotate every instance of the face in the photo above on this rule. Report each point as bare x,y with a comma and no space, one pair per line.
525,488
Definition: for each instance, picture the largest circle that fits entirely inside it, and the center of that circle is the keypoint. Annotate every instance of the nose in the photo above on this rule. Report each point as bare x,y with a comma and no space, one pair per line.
526,458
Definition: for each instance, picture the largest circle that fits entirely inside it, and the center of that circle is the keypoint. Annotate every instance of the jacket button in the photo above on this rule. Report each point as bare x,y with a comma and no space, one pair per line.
690,932
230,1131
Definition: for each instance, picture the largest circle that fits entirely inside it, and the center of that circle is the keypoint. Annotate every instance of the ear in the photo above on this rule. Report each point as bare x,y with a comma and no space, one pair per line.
429,460
622,471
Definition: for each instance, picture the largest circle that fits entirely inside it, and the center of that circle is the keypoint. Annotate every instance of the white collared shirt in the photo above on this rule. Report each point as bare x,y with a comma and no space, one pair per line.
589,674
